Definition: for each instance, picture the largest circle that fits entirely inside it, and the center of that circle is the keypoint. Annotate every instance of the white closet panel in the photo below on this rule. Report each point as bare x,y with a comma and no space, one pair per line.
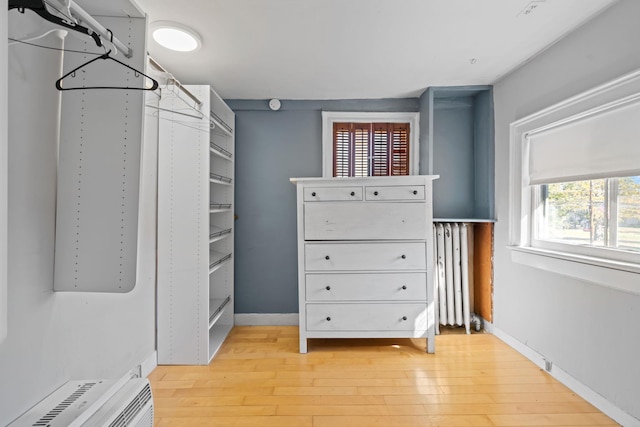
99,167
195,226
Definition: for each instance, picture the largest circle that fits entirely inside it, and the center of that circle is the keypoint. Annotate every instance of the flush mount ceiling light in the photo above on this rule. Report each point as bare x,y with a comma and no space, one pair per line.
175,36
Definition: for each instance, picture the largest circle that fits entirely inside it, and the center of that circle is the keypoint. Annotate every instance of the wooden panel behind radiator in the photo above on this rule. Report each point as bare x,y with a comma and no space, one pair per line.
483,270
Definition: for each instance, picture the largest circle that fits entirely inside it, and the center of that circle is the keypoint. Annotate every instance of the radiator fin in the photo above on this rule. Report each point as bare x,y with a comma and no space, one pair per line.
452,274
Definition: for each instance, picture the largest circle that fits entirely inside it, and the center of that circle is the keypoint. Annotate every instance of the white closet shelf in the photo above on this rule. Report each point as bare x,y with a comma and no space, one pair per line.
217,260
218,233
219,179
219,207
220,132
220,152
216,308
219,126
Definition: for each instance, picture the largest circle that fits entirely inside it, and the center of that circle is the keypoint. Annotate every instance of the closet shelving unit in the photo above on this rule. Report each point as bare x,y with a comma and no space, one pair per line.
195,236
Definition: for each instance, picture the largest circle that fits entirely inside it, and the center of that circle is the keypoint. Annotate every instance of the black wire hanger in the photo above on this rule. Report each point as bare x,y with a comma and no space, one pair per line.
72,73
40,9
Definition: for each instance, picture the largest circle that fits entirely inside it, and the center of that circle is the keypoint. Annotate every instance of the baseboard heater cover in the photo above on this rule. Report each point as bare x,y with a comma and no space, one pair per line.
93,403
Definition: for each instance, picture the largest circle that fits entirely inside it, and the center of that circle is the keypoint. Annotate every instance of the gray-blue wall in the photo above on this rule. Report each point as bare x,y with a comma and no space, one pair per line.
456,134
271,147
456,143
484,153
453,124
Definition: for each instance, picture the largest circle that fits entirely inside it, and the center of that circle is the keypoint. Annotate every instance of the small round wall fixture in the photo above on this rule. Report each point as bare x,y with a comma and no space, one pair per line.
174,36
274,104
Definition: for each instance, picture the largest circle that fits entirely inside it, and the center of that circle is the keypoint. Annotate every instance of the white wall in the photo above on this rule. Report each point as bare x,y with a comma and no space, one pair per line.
589,331
53,337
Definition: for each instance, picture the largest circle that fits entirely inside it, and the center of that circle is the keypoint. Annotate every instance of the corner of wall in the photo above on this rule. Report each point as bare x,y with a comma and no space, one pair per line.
4,111
425,108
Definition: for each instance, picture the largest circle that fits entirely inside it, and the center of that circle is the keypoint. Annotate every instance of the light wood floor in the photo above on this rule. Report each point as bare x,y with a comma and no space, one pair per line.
260,379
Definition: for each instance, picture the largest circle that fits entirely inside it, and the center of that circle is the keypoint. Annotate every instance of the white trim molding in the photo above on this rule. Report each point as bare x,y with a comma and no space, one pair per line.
591,268
149,364
617,275
565,378
329,117
266,319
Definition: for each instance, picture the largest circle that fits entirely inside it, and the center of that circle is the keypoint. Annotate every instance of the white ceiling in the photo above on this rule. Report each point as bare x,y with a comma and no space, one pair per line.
357,49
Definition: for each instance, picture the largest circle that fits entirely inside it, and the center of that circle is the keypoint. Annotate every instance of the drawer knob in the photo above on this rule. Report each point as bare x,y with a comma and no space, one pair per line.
328,319
404,287
313,194
403,256
375,193
328,288
404,317
353,193
415,192
327,257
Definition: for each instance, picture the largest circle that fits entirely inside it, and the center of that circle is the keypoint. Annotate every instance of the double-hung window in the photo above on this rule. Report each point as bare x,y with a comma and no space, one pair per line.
589,215
575,186
369,144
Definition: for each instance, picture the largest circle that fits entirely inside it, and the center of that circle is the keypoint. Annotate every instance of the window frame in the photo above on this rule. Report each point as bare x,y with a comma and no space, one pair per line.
329,117
605,253
591,265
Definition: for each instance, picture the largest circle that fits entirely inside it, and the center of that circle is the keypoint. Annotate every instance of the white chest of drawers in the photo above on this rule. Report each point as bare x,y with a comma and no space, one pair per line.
365,256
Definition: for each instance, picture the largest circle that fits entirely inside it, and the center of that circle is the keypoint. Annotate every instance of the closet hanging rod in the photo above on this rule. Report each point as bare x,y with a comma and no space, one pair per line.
88,20
159,67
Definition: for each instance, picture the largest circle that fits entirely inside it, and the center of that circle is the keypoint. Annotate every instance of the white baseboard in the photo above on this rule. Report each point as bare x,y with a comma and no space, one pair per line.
579,388
266,319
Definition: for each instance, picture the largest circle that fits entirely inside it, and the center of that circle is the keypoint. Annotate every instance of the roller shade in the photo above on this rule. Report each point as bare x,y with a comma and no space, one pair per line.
600,144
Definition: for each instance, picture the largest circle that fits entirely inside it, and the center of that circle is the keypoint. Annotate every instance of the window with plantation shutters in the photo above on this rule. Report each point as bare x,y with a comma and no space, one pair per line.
367,143
371,149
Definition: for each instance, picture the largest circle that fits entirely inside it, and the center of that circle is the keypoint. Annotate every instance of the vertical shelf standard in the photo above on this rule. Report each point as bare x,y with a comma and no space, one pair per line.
195,228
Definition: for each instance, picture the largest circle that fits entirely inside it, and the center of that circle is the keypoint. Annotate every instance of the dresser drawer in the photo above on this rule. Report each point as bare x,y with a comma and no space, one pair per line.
366,317
366,287
365,256
328,194
364,221
395,192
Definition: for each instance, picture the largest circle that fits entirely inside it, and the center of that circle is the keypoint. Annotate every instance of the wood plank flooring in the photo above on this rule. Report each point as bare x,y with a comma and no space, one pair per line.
259,379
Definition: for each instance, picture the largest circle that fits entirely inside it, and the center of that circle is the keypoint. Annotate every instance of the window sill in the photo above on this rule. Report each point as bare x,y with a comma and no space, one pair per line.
622,276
